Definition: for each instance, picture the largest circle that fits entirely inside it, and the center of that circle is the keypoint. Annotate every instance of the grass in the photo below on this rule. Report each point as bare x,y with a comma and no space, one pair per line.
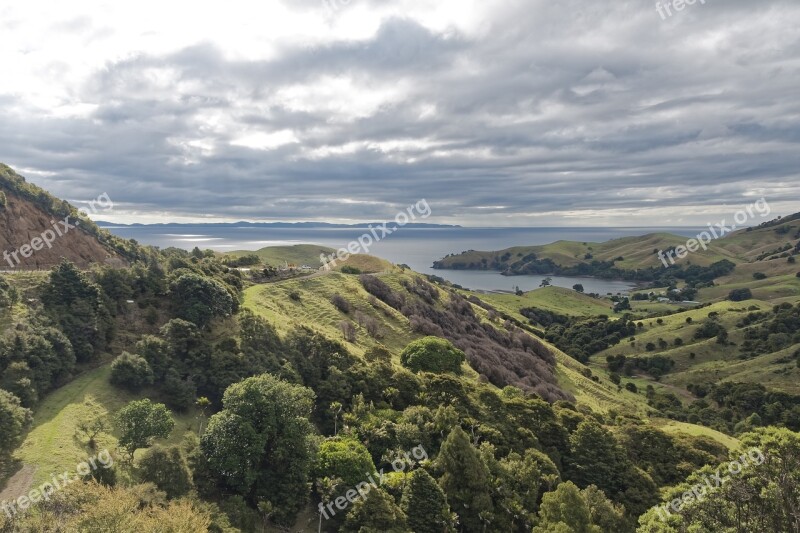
298,254
313,308
52,446
673,426
557,299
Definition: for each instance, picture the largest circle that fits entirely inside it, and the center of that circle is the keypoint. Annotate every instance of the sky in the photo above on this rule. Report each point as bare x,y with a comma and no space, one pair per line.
497,113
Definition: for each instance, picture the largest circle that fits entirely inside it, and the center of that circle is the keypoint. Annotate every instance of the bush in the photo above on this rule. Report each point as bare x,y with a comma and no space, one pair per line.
131,372
167,469
341,303
631,386
759,275
432,354
347,269
739,295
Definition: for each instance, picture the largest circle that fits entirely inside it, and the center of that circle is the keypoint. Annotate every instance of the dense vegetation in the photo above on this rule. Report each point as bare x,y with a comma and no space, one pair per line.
466,426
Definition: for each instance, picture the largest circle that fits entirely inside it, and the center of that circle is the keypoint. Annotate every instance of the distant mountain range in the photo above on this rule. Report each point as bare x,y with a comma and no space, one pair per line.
418,225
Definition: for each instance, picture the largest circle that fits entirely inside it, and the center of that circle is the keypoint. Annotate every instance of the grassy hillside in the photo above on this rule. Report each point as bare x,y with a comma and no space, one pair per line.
308,302
52,444
556,299
769,243
298,254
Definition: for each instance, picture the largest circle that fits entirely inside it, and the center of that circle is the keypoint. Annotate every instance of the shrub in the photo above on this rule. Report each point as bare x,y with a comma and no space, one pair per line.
759,275
348,330
347,269
167,469
432,354
131,372
739,295
341,303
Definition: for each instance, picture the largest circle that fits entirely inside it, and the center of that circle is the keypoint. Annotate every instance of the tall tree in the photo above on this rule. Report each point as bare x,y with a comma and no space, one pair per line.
260,444
425,504
465,481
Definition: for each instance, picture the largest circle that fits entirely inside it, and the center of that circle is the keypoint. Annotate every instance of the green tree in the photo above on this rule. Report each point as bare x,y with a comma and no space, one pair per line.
75,304
376,513
199,299
565,510
140,422
167,469
131,372
260,444
344,458
465,480
763,496
432,354
14,420
425,504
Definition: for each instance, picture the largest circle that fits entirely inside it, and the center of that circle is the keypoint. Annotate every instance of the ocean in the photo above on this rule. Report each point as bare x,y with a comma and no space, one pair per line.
415,247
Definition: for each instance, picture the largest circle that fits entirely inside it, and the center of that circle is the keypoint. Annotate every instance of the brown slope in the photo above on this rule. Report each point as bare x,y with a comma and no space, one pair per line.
24,218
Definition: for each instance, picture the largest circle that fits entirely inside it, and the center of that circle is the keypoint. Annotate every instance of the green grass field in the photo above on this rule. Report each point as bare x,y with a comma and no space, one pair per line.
52,446
673,426
556,299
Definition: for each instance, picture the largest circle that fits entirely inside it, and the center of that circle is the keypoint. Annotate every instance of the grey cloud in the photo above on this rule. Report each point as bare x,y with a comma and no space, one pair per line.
555,106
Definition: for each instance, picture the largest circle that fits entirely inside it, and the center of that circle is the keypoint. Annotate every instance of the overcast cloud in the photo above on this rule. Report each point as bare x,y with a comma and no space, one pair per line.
502,112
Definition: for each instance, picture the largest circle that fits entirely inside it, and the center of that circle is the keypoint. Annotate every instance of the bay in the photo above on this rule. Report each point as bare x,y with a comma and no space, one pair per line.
415,247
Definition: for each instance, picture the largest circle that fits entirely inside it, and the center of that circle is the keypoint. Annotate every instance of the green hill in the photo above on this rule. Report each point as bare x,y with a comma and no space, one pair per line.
298,254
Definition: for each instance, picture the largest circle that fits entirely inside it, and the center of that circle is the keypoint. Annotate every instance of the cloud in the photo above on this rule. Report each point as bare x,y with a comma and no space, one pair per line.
514,113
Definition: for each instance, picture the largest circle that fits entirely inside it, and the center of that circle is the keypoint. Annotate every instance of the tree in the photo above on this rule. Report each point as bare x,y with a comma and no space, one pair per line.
739,295
260,444
375,513
75,304
594,458
432,354
565,510
546,282
131,372
343,458
14,421
167,469
140,422
425,504
200,299
92,427
465,480
622,305
763,496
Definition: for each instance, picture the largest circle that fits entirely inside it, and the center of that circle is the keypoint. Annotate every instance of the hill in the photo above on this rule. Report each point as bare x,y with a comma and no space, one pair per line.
763,244
298,254
38,230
